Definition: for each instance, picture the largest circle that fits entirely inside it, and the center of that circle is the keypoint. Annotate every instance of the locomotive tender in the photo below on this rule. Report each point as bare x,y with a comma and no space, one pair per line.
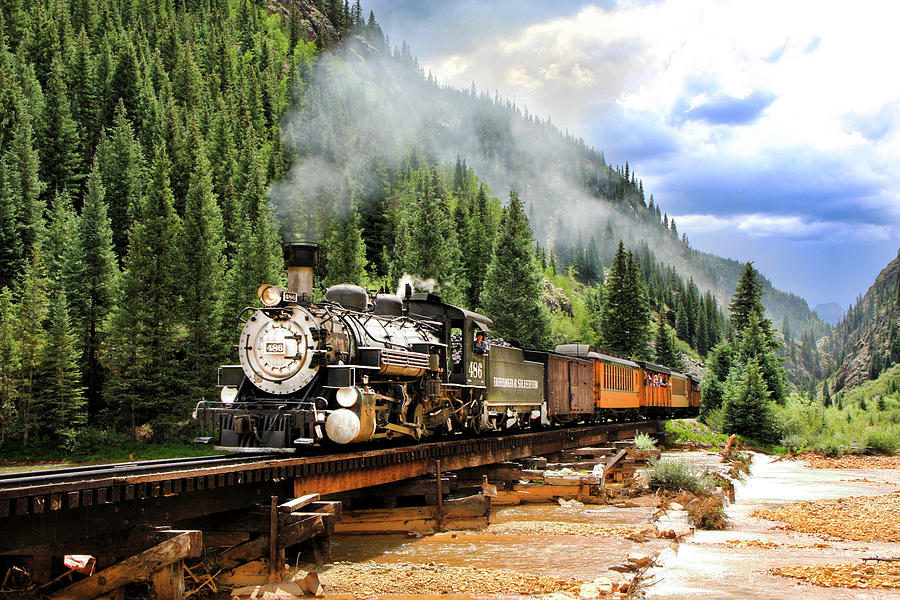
349,370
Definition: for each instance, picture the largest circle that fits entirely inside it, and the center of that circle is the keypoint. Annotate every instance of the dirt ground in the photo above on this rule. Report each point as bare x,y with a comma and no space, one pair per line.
862,518
865,575
851,461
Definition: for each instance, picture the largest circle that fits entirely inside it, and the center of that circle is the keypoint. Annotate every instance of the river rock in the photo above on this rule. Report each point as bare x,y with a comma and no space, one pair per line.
605,585
638,559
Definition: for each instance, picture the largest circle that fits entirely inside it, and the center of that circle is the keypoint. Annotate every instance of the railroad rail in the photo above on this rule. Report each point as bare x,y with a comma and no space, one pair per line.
42,511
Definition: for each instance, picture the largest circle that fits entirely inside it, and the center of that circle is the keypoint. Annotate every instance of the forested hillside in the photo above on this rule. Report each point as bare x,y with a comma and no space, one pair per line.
155,154
138,140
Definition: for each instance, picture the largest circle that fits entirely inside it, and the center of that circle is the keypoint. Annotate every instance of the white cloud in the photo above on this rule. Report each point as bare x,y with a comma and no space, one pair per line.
792,227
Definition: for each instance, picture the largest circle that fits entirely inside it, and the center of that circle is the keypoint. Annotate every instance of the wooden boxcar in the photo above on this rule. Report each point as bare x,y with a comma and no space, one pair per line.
694,393
681,388
569,384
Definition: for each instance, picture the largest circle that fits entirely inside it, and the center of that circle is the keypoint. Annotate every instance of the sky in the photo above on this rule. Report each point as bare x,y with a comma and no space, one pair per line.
769,130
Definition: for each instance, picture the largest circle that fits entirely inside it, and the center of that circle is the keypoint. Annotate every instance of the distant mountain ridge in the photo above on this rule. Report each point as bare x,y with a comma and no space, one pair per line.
830,312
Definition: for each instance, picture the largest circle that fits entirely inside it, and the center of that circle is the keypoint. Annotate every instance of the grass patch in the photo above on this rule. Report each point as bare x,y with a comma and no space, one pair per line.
690,431
864,420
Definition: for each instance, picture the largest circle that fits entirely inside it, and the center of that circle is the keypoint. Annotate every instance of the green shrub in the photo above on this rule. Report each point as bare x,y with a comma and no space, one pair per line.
883,440
642,441
832,445
681,431
677,475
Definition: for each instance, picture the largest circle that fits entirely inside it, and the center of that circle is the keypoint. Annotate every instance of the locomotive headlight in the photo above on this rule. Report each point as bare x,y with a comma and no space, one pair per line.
347,396
269,295
228,394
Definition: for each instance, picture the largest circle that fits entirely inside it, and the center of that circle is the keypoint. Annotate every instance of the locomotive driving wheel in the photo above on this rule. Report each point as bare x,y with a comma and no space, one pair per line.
417,421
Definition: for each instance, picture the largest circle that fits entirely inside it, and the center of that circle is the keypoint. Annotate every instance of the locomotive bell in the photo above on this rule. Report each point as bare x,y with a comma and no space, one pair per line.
300,258
388,305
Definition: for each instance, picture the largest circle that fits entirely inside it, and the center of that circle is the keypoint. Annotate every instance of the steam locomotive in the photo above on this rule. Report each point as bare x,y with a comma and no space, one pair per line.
350,369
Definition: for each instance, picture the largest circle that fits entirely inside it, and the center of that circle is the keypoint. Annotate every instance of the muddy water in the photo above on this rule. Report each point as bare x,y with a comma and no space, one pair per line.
562,556
705,566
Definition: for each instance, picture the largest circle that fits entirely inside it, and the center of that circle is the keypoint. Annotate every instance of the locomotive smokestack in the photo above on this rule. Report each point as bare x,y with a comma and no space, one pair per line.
300,258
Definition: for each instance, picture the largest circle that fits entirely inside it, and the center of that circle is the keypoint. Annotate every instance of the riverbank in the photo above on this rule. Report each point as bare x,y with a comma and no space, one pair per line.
569,552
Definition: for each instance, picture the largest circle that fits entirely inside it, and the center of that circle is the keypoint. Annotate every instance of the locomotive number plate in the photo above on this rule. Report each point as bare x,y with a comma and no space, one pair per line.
275,348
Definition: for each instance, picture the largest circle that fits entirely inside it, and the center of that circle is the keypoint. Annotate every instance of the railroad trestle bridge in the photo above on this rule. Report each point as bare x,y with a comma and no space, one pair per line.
72,511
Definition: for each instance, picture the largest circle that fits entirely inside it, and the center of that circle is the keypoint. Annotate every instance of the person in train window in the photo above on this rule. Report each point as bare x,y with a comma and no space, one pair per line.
481,346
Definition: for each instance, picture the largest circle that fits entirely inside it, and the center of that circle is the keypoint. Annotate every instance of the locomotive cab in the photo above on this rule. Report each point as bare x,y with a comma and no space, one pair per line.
463,366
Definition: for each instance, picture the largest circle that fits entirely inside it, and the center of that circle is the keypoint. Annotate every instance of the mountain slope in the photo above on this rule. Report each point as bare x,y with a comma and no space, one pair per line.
867,341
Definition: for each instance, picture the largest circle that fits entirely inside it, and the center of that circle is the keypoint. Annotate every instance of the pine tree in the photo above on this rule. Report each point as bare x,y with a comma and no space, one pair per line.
747,301
144,337
81,81
259,256
638,313
826,395
92,278
666,354
467,232
32,294
702,344
60,403
626,316
346,252
433,248
203,273
482,242
25,186
712,389
124,84
59,140
681,321
755,345
511,295
747,408
10,242
9,363
123,170
56,244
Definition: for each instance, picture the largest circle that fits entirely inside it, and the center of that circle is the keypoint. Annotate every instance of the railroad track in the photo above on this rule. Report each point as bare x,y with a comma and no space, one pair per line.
103,471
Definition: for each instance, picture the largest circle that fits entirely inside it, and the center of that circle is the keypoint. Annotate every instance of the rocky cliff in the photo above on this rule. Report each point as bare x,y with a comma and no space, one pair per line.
868,339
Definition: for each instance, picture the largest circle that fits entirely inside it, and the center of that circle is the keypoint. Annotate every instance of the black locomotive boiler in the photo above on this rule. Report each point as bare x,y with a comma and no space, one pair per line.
352,369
